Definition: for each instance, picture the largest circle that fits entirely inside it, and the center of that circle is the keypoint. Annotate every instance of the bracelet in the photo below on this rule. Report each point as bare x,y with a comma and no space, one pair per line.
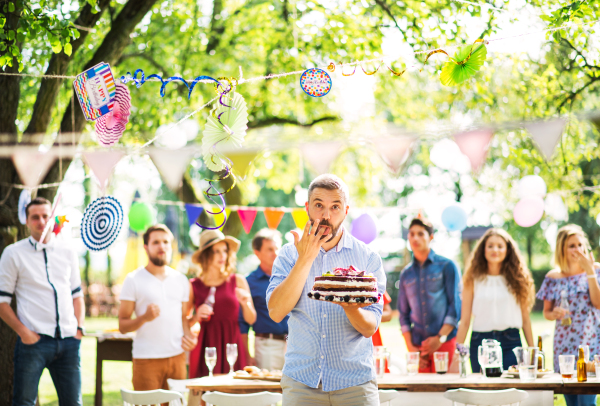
591,276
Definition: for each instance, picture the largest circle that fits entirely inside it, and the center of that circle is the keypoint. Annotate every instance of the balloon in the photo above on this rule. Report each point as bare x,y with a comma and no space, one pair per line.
532,185
363,228
529,211
141,216
454,218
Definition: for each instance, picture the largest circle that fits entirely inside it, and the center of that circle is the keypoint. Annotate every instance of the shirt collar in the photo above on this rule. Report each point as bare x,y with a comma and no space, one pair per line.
344,242
262,274
38,246
430,257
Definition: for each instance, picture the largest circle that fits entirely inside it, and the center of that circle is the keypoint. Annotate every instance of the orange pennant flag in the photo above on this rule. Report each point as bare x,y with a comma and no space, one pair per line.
273,217
300,218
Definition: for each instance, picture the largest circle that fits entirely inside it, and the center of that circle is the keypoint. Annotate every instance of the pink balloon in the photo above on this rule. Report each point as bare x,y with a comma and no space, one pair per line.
529,211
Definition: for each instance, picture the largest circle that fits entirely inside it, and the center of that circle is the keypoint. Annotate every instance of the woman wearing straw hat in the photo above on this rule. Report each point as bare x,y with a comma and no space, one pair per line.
218,323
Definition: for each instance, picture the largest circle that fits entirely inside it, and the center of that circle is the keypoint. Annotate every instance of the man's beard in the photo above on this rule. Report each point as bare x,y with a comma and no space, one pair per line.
158,261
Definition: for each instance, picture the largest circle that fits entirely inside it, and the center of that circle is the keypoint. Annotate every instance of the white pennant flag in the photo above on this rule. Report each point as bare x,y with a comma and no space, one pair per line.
102,164
171,164
546,135
32,165
320,155
394,151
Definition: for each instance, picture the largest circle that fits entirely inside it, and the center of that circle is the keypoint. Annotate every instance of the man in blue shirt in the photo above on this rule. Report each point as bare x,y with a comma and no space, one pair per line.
428,298
269,337
329,359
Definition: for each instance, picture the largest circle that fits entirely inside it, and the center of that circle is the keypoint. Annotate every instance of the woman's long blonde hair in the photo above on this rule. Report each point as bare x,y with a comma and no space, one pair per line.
514,269
206,256
560,253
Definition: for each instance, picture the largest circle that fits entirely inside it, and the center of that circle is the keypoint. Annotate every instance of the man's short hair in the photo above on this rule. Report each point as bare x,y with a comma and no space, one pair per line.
38,201
423,222
156,227
265,234
330,182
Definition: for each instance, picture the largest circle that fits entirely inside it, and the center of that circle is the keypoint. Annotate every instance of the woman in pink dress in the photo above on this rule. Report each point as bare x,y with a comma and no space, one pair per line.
218,324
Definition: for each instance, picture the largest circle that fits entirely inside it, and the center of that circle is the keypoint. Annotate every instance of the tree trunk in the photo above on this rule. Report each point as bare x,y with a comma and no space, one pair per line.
8,338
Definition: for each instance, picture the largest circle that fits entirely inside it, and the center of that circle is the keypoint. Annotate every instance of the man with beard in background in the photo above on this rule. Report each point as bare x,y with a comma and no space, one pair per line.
329,358
159,296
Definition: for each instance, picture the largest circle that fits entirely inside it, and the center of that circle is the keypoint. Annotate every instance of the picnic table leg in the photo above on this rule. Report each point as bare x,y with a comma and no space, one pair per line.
194,397
98,395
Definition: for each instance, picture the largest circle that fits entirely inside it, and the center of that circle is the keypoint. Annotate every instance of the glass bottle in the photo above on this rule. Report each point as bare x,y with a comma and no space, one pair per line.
581,367
564,303
541,357
210,301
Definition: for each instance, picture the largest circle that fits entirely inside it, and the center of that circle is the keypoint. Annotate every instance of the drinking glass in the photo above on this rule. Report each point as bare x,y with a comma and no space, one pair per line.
232,354
527,373
381,356
567,365
440,360
412,363
210,356
597,364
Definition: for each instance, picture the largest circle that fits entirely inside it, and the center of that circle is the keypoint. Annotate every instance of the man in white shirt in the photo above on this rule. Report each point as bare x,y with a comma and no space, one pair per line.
43,276
159,296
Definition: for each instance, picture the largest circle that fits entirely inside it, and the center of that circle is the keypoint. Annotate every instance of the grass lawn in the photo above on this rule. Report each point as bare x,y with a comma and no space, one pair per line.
117,375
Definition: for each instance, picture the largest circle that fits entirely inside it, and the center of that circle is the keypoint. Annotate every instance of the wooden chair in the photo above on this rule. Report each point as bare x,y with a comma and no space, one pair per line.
252,399
151,397
486,397
386,396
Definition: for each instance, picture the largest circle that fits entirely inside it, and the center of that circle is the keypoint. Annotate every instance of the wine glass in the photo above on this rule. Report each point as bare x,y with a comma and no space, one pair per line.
482,357
210,356
232,354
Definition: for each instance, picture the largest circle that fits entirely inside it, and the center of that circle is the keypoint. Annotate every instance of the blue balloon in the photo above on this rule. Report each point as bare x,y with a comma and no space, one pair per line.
454,218
363,228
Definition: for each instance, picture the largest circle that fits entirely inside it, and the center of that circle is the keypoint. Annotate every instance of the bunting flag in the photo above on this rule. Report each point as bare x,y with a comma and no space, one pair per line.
300,217
320,155
247,218
193,212
172,164
242,162
474,144
102,164
273,217
546,135
394,151
32,165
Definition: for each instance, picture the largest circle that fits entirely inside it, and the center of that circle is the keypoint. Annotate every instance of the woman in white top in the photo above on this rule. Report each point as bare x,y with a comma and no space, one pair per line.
498,294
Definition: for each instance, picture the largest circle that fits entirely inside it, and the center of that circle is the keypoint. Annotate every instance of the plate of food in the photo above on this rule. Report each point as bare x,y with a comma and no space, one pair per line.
347,285
252,372
513,372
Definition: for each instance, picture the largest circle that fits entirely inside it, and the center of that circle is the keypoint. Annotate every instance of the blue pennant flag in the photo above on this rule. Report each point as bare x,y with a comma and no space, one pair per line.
193,212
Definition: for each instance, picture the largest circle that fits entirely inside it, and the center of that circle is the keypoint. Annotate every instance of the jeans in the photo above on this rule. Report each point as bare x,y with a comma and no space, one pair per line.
61,357
580,400
508,339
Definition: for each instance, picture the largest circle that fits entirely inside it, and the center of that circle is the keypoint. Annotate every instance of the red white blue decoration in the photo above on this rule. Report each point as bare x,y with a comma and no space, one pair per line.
102,222
110,127
315,82
95,89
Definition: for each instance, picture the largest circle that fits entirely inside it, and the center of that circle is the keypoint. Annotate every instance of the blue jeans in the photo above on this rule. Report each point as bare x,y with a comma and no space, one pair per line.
61,357
580,400
508,339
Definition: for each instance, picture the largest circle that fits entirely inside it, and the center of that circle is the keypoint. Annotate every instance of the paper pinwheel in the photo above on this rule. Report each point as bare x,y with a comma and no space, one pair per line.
110,127
225,130
467,61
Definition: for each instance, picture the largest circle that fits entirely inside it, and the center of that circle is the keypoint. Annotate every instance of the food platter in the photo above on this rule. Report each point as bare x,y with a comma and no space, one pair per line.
515,374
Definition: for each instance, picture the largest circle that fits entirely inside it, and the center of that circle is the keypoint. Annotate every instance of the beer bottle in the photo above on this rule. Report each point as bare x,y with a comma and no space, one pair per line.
581,367
541,356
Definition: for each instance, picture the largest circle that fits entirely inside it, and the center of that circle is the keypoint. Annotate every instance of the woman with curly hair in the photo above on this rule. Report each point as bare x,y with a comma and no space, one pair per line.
219,324
577,276
498,294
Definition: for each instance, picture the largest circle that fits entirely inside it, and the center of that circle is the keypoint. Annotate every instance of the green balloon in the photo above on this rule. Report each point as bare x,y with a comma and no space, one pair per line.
141,216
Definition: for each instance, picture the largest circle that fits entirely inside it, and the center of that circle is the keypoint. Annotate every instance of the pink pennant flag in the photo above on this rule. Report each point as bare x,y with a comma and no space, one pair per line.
394,151
474,144
247,218
546,135
172,164
102,164
32,165
320,155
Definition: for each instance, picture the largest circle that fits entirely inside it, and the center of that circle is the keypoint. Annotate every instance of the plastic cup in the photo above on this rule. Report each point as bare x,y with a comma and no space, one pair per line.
527,373
567,366
412,363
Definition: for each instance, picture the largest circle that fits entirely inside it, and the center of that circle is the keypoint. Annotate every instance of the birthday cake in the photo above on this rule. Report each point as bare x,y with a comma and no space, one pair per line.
345,285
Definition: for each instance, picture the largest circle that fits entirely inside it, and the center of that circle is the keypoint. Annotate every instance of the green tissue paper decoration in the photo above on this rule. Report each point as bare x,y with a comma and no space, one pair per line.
466,62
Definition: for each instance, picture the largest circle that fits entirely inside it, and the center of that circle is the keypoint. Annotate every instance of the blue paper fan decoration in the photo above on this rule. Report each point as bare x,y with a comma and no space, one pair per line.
24,200
102,222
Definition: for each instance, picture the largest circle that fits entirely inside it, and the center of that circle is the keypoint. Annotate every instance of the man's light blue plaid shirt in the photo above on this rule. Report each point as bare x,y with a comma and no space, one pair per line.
322,344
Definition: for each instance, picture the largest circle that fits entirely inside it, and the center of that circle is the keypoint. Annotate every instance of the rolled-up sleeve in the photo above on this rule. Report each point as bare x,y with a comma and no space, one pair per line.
75,276
8,276
452,278
403,307
375,266
281,268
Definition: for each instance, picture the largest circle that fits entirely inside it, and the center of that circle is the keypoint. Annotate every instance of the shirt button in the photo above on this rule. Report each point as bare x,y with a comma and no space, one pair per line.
324,315
319,366
323,335
322,356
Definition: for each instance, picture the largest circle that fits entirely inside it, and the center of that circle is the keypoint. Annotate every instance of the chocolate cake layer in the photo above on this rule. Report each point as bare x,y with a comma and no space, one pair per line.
321,288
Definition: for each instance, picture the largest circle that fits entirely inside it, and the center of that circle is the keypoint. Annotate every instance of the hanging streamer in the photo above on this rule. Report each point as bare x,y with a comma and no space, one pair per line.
139,82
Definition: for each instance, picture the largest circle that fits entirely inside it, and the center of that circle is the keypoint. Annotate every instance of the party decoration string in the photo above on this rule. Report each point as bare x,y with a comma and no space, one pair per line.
189,84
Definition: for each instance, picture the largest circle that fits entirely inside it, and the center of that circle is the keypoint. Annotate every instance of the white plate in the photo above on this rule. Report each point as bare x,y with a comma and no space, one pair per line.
538,374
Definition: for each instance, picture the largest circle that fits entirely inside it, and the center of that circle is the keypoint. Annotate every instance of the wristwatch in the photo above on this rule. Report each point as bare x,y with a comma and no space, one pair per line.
443,338
82,329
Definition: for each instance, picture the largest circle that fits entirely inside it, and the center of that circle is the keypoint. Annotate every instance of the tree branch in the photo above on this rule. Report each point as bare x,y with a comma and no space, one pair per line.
384,6
147,57
283,120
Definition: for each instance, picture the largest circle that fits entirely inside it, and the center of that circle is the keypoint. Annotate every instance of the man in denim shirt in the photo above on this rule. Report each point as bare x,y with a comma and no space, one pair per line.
428,298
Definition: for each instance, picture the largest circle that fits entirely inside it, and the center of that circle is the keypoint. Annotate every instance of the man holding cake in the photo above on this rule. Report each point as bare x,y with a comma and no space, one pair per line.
329,359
